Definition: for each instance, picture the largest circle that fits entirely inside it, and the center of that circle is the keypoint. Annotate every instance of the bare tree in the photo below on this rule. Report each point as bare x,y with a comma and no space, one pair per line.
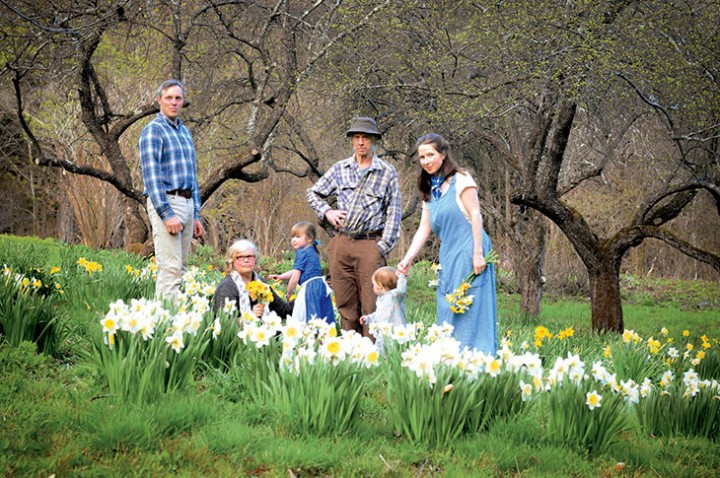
261,53
542,187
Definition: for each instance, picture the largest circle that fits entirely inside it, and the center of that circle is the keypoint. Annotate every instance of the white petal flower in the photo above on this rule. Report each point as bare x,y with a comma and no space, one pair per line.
176,342
593,400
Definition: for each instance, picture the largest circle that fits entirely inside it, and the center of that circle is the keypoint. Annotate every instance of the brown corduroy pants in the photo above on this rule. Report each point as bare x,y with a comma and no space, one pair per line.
352,264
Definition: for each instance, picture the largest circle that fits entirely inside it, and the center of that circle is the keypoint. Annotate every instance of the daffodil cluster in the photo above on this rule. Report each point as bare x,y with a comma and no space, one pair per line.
400,334
90,266
426,350
33,283
147,273
259,291
143,317
459,299
199,282
542,335
21,280
305,343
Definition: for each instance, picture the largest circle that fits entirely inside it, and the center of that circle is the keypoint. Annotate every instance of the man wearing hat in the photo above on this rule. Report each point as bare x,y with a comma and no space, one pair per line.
366,221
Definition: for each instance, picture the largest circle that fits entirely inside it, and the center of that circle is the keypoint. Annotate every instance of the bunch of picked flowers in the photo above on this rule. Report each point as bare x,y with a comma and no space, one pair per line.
259,291
459,299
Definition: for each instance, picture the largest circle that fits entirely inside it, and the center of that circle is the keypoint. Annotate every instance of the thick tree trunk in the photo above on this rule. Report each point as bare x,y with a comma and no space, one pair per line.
530,284
605,298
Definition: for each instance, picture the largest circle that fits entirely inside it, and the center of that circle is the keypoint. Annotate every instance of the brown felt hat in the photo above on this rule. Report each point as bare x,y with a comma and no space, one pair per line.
363,124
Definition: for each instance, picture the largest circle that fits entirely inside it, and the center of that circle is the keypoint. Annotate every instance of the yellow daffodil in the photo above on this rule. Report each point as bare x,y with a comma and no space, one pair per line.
259,291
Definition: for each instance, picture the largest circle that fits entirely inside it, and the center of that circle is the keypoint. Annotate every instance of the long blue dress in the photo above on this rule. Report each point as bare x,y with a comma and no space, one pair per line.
477,327
318,300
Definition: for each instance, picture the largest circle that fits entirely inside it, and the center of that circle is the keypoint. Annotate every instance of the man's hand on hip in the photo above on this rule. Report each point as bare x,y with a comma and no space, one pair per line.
336,218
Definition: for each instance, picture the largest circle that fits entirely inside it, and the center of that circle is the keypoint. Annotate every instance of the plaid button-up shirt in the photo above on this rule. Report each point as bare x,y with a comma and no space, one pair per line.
167,159
371,198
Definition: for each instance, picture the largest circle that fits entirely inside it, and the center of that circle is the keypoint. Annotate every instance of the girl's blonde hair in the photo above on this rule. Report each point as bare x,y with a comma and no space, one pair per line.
306,229
386,277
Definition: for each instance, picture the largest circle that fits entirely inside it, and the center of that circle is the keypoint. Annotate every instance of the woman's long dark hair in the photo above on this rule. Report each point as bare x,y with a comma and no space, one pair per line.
448,168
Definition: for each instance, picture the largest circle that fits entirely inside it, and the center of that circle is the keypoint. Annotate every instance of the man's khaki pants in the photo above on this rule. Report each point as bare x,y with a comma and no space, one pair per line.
171,250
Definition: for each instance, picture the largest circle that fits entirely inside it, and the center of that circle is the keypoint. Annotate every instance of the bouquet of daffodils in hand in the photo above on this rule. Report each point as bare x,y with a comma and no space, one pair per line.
259,292
459,300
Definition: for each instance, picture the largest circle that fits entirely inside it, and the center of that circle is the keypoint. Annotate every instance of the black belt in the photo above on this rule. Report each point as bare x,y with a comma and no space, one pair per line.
356,236
186,193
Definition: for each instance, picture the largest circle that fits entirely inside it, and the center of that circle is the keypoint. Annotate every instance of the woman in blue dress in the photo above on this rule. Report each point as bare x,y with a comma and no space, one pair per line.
314,299
451,210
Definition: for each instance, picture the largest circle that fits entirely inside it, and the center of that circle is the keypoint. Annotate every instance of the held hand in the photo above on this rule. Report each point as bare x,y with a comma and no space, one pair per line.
404,266
362,320
336,218
173,225
198,229
273,276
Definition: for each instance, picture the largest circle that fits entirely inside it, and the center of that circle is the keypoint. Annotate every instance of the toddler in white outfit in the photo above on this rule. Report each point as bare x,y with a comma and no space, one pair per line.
390,287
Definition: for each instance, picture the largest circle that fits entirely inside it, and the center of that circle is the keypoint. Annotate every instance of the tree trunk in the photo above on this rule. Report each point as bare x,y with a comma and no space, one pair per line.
529,260
605,298
137,231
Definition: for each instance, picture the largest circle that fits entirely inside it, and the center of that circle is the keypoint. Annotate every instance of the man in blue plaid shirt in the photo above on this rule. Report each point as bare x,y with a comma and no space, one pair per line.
366,221
169,169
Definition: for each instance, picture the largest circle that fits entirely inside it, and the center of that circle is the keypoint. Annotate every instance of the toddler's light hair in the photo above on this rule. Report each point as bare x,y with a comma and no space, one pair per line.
386,277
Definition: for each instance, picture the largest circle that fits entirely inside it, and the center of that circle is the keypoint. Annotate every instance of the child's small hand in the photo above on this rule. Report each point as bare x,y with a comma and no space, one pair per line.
273,277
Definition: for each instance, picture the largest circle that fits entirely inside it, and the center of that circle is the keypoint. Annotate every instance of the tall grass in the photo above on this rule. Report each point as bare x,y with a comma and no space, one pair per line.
320,398
572,420
684,409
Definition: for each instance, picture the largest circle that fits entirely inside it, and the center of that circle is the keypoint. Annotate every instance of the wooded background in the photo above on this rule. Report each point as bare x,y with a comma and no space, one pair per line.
591,127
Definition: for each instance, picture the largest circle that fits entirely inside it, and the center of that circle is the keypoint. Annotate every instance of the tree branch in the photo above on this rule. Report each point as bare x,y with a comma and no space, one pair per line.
683,246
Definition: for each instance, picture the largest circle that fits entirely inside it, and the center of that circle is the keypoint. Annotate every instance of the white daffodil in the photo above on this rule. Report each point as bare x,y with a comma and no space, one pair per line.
527,390
216,328
593,400
176,342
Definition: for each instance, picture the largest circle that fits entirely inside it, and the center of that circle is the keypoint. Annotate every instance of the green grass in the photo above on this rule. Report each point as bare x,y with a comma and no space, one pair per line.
57,418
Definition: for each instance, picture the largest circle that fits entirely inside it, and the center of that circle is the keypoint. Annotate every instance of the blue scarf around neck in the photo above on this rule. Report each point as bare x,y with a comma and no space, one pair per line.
435,183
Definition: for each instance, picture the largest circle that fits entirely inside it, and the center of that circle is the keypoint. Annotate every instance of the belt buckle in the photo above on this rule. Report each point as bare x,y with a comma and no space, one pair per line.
350,235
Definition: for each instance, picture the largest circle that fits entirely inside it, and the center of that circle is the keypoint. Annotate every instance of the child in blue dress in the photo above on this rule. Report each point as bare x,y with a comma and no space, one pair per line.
390,286
314,299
